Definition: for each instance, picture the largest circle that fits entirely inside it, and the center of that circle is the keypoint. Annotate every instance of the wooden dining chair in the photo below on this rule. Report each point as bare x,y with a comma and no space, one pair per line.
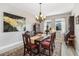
48,44
28,46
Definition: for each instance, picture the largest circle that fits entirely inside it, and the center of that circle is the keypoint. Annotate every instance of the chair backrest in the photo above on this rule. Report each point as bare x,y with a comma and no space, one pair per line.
66,36
53,36
26,39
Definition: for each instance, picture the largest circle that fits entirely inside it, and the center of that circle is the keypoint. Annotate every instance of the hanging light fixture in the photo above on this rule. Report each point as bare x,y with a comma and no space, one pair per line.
40,17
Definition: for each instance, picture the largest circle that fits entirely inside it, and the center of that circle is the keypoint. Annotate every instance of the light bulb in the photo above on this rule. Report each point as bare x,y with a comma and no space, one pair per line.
44,17
41,15
36,17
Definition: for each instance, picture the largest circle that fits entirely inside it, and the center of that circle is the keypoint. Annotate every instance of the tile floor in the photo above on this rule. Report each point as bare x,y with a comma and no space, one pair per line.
67,50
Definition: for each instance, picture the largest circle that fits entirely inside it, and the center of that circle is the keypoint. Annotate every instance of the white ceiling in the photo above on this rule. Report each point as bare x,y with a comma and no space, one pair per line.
47,8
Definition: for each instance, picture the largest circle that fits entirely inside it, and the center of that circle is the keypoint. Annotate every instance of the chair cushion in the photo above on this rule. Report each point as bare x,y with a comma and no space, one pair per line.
32,45
46,44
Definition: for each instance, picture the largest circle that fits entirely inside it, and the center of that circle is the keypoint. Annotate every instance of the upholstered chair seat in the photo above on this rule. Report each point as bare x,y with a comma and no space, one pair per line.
45,44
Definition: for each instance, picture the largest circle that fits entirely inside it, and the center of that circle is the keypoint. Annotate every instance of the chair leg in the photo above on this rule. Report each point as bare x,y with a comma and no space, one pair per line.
30,53
24,51
52,50
54,45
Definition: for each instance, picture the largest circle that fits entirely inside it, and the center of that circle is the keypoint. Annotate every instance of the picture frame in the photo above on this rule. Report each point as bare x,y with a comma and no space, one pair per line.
13,23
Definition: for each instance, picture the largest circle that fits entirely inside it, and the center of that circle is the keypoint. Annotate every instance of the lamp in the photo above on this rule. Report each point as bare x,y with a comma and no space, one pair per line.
40,17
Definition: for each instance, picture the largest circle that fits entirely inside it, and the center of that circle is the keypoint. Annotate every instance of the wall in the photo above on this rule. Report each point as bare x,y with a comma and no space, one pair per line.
75,12
9,40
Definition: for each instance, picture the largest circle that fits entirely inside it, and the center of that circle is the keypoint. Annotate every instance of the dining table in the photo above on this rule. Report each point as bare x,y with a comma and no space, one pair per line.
39,37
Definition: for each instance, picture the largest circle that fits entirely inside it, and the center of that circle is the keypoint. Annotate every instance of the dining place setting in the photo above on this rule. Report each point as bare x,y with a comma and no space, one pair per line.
39,44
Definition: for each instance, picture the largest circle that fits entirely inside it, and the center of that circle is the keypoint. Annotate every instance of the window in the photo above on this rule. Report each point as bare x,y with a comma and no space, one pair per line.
60,24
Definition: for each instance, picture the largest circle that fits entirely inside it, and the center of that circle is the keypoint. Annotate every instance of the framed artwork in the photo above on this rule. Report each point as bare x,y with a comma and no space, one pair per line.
77,20
13,23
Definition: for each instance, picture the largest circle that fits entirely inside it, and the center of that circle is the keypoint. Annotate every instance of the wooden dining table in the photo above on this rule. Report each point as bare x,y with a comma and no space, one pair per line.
39,37
36,37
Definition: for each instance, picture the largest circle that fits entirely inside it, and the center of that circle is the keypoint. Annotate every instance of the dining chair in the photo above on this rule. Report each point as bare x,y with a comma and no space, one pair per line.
28,46
48,44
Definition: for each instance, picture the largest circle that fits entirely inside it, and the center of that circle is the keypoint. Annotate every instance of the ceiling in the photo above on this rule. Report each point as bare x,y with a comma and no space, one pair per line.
47,8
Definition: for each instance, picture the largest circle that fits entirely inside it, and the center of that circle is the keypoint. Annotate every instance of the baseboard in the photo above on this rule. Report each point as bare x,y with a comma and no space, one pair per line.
11,46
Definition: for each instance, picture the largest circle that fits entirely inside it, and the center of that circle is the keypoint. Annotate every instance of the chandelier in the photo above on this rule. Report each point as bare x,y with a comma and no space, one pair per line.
40,17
